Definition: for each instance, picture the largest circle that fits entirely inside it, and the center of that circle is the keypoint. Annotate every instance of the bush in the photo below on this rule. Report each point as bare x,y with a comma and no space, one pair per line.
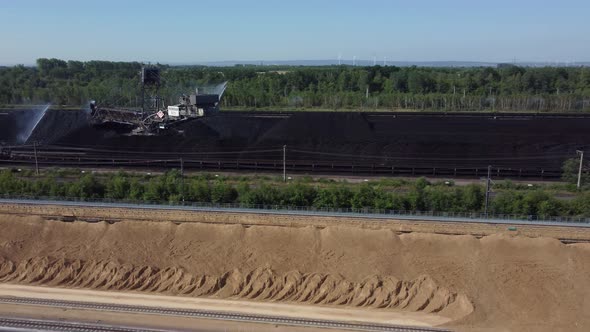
363,197
155,191
136,190
570,168
86,187
221,192
118,187
420,196
297,194
198,191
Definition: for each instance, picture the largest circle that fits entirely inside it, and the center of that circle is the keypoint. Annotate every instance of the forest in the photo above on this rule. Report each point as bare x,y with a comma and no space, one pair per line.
503,88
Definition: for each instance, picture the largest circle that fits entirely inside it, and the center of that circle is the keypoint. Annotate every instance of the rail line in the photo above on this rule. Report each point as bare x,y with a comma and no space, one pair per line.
21,324
206,314
271,160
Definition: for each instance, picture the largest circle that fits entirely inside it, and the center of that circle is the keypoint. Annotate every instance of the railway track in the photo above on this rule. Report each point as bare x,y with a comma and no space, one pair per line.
216,315
21,324
271,160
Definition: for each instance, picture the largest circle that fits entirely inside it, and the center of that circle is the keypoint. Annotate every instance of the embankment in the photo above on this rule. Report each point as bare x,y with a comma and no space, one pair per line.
498,281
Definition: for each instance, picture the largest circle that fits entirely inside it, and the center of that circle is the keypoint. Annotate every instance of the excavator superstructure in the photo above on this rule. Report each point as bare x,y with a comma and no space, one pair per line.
154,116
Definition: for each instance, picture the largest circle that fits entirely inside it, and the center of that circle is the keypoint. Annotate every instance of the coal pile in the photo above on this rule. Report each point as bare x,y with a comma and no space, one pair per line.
25,125
404,140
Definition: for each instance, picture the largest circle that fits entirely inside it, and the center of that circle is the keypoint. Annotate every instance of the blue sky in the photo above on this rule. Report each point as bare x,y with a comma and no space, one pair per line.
195,31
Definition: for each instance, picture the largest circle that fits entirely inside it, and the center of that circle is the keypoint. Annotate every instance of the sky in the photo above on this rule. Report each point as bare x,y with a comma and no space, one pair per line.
264,30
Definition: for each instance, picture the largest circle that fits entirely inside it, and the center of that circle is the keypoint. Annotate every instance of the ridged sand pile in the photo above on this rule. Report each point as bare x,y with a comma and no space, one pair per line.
421,294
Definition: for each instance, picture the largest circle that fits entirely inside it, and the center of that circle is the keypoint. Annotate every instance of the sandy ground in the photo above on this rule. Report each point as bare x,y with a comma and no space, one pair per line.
251,219
500,282
231,306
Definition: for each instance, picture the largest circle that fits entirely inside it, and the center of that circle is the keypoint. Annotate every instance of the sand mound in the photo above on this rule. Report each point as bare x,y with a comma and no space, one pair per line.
421,294
506,282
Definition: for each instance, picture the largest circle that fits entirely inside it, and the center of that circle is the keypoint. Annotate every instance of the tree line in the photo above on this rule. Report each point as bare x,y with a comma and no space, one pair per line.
420,195
505,88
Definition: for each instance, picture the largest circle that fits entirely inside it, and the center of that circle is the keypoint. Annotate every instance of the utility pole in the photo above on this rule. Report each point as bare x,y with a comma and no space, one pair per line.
488,181
581,153
182,179
284,163
36,161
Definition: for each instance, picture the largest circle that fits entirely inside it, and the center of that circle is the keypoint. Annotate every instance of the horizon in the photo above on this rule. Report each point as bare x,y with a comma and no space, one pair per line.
335,62
264,31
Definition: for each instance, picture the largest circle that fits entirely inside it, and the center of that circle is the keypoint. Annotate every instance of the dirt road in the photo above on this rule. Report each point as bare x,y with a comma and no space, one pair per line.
353,315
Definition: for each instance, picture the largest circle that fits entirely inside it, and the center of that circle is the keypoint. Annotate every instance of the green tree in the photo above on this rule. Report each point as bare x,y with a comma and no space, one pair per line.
299,195
118,187
472,198
86,187
221,192
417,195
155,191
363,197
570,170
136,190
199,191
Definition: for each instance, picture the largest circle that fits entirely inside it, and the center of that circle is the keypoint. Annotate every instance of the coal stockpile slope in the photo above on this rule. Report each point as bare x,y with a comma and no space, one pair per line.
463,141
10,126
397,139
52,126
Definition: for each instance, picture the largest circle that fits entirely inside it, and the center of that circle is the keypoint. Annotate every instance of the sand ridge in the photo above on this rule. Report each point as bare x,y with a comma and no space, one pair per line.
421,294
